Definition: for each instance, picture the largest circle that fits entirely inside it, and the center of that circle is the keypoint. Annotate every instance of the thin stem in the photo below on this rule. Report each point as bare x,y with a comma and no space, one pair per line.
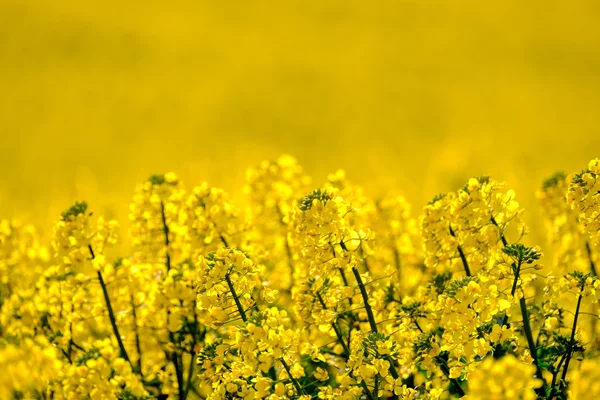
555,375
71,333
336,329
294,382
372,323
502,237
190,373
223,240
367,391
567,355
531,344
364,259
174,356
236,298
572,341
444,367
517,271
461,253
67,356
166,232
138,345
365,296
589,253
344,279
524,314
111,314
192,355
397,263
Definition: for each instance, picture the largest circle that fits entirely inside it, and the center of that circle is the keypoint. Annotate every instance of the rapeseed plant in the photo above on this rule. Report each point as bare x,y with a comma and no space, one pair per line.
308,292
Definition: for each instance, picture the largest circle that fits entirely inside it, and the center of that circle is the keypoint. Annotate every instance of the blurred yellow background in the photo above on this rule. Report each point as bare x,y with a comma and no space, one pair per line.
409,96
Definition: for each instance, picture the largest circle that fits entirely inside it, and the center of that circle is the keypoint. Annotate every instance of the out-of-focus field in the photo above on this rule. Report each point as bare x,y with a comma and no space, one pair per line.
408,96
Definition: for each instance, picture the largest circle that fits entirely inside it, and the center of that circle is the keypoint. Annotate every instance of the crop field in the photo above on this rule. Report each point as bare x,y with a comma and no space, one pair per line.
299,200
308,293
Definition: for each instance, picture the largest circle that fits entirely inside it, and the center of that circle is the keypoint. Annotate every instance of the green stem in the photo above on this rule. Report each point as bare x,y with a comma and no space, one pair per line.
365,296
567,355
111,314
531,344
138,345
371,318
174,356
192,355
336,329
572,341
525,315
345,280
461,253
555,375
236,298
190,374
245,319
502,237
397,263
166,232
223,240
444,367
517,271
367,391
294,381
589,253
364,259
71,333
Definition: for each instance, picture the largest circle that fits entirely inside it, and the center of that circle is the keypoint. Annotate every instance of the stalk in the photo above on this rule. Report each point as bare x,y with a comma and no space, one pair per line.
138,345
367,391
174,357
589,253
236,299
567,356
111,314
371,318
530,341
397,263
461,253
245,319
444,367
294,382
192,356
517,271
365,296
336,329
572,341
525,315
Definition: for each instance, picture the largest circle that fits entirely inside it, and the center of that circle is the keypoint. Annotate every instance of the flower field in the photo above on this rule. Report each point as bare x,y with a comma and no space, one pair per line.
307,290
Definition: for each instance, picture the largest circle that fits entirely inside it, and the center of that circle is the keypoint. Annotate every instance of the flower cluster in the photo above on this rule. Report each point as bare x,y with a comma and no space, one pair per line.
583,196
308,292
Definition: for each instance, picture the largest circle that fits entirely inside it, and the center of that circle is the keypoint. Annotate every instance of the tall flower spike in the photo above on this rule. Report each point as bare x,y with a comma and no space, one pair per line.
273,188
156,203
584,198
566,235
